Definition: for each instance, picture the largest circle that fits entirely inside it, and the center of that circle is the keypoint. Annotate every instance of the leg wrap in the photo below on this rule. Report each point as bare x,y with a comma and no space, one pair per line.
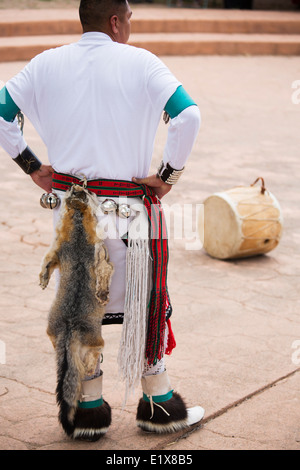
93,415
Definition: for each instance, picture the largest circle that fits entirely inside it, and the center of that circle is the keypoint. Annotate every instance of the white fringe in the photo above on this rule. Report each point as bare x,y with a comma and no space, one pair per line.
131,356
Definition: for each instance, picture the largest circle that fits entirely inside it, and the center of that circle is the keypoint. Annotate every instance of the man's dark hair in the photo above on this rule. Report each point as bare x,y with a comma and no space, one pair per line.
95,13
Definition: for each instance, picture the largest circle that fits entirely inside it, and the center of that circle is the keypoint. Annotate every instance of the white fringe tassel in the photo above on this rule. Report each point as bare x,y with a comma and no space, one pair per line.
131,356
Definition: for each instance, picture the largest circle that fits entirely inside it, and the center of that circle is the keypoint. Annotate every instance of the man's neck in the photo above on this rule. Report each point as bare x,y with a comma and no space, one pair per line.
93,30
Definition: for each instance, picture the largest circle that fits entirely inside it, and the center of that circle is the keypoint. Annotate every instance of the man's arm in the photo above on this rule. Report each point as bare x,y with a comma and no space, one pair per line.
184,126
13,142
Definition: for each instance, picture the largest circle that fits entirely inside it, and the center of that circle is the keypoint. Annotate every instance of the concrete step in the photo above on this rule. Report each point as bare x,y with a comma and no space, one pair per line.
218,44
163,31
24,48
154,20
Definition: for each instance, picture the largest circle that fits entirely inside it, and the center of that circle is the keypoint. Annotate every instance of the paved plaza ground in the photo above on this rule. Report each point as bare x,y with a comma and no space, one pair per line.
236,322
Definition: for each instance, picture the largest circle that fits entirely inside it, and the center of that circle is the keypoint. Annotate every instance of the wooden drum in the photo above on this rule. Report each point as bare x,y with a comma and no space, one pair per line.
241,222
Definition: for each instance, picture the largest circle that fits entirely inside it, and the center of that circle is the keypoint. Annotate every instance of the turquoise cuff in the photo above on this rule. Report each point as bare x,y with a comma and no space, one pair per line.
159,398
90,404
179,101
8,108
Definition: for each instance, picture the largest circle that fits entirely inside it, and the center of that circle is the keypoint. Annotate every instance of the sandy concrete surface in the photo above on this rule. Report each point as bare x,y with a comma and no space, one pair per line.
236,322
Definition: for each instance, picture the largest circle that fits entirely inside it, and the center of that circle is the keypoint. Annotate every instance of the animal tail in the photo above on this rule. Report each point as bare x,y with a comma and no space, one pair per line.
70,373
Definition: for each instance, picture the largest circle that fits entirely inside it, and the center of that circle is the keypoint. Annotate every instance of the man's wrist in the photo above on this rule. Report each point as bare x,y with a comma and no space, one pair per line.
167,174
28,161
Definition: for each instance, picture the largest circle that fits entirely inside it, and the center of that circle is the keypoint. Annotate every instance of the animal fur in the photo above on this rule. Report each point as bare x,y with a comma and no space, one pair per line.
161,422
74,324
91,424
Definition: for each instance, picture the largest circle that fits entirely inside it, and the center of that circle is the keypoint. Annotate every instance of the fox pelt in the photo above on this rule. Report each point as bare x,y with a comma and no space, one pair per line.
75,317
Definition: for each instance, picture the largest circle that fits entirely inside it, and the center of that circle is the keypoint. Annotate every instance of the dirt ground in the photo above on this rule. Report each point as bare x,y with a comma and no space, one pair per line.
236,323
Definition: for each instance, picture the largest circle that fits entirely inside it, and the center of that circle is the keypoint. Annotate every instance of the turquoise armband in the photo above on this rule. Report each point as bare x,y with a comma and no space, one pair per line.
8,108
179,101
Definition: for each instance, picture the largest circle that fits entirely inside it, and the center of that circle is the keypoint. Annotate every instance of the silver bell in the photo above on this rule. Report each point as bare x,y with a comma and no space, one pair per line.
108,206
49,201
124,211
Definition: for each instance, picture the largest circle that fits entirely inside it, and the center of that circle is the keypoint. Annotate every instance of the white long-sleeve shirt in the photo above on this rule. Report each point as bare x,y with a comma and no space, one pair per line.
97,104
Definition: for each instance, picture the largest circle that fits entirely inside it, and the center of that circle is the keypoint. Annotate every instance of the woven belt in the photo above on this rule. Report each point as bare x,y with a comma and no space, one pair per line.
102,187
159,299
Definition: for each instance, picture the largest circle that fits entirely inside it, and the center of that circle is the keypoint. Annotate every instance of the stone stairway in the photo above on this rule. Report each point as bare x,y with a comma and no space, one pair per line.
162,30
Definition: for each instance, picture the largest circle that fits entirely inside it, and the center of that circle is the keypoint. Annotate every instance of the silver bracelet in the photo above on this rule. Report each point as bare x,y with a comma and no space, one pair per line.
168,174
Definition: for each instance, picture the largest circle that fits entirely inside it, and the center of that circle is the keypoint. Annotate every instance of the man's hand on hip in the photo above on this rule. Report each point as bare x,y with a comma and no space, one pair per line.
43,177
159,187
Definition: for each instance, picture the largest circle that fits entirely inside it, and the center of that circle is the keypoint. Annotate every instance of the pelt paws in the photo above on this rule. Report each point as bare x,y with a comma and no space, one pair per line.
43,282
103,297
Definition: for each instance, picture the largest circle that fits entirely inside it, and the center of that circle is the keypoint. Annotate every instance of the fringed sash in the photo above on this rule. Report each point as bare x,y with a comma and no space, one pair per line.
159,299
